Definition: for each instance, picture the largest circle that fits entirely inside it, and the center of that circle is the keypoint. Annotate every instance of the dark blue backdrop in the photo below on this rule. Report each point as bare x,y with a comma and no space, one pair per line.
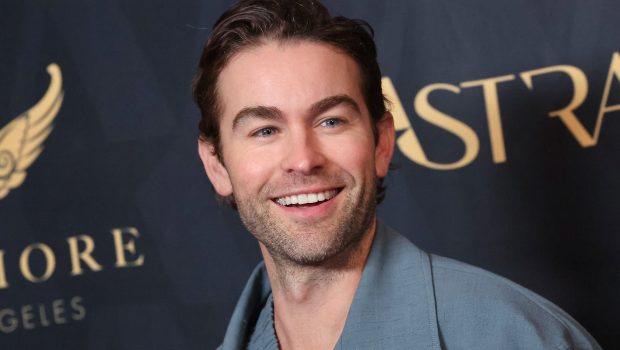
122,158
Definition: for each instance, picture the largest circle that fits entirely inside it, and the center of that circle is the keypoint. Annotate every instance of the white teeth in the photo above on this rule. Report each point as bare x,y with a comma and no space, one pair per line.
302,198
305,198
312,198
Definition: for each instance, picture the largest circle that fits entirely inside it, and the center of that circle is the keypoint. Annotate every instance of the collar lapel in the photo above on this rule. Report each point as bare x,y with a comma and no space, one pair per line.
394,305
248,308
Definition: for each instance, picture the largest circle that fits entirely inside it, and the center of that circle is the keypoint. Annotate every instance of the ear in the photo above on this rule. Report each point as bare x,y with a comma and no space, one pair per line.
217,173
385,144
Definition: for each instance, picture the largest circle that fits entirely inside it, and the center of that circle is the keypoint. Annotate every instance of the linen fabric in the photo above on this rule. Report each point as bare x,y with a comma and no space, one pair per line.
408,299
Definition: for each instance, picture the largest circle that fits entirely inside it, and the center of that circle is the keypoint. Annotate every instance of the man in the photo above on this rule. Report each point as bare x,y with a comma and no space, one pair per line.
295,135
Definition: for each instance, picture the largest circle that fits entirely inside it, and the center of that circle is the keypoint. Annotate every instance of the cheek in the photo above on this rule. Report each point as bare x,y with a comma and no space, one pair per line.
356,158
249,170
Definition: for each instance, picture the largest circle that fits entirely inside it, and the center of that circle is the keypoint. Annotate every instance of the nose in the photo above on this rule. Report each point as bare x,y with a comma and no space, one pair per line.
303,153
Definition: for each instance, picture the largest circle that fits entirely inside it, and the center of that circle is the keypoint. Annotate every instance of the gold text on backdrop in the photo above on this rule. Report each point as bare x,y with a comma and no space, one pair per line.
410,146
124,242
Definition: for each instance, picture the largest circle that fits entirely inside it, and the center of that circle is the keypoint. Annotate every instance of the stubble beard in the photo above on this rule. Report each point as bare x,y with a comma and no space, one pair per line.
311,243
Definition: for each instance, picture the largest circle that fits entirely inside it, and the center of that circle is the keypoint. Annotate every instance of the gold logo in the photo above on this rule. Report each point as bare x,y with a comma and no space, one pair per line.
21,141
411,147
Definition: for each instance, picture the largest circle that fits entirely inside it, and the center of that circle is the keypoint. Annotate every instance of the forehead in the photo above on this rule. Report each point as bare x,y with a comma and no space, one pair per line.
290,76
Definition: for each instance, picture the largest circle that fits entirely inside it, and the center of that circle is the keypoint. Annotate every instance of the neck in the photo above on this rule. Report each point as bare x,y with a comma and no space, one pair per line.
311,303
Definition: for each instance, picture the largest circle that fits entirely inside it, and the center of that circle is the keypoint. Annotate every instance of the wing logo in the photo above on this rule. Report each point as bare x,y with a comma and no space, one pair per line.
21,140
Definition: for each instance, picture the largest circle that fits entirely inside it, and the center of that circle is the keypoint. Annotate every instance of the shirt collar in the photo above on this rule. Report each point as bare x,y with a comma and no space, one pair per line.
393,308
394,305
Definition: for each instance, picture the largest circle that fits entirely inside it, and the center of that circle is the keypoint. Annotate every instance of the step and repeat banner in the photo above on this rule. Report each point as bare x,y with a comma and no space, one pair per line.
508,157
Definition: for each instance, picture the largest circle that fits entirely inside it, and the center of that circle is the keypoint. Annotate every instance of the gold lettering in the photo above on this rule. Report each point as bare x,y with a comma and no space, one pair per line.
58,307
408,142
494,120
3,282
566,114
401,122
85,255
614,70
12,323
429,113
130,246
78,308
27,317
50,262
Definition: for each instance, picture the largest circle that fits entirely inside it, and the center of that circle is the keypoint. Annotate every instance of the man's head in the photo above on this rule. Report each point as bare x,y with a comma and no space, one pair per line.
291,130
252,23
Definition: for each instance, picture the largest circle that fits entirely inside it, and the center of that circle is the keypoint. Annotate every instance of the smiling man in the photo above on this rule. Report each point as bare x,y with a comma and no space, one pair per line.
298,152
295,135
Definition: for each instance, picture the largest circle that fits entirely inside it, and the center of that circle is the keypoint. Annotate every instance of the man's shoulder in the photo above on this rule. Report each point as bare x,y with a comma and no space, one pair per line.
452,277
477,308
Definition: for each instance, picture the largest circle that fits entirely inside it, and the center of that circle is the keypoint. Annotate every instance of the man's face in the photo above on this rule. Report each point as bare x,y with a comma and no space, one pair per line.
298,150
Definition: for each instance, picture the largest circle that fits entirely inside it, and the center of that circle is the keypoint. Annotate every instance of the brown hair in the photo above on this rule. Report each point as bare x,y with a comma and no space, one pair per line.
250,22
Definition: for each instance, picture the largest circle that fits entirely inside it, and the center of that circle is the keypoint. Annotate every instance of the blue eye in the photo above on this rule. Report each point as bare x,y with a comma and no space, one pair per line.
265,132
332,122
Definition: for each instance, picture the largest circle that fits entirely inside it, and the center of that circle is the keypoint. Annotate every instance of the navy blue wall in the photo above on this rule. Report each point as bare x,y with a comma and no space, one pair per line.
119,175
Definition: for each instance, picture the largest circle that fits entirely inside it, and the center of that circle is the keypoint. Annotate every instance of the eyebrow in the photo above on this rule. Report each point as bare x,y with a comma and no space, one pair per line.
261,112
273,113
330,102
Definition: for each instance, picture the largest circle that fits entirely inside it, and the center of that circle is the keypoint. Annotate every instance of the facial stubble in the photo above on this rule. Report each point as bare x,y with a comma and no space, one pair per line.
313,242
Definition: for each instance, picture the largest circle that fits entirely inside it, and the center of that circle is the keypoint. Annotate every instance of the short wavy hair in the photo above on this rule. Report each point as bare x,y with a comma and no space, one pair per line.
250,23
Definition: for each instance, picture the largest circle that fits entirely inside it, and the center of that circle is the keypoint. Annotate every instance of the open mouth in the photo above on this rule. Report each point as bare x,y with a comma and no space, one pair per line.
307,199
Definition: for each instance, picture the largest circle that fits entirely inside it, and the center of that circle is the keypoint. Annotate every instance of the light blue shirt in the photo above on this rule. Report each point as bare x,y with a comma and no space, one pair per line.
408,299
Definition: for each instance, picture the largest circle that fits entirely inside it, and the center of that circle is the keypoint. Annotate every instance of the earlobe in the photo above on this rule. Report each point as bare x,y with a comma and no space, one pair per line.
385,144
216,171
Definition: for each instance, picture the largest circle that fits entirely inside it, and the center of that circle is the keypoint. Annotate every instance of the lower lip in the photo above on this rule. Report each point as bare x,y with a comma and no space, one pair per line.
312,211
